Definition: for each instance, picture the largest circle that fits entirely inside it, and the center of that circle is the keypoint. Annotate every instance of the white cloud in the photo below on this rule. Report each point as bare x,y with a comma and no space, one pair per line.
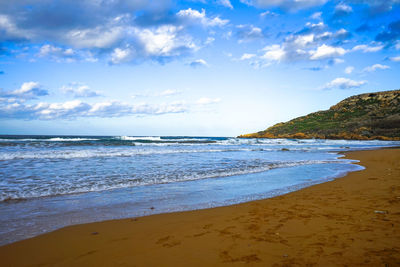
75,109
225,3
198,63
316,15
268,14
120,55
246,56
274,53
207,101
164,41
341,34
395,59
194,16
366,48
28,90
397,46
349,69
344,83
248,33
326,51
60,54
47,50
338,60
9,29
209,40
104,36
79,90
303,40
315,26
342,9
375,67
309,44
107,30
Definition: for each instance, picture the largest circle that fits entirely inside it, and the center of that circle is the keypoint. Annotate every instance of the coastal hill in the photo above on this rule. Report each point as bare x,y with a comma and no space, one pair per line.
363,117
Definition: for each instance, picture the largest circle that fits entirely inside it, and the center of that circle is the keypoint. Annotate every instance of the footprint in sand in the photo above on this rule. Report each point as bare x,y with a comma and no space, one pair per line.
207,226
168,242
225,257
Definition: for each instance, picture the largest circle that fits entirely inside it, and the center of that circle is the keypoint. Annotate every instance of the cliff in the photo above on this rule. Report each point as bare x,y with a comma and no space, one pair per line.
363,117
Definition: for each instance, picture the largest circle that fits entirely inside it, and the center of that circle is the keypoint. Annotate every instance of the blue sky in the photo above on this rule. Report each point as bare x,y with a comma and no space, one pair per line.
202,68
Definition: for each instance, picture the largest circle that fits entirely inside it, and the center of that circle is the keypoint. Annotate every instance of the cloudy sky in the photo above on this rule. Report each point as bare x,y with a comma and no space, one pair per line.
203,68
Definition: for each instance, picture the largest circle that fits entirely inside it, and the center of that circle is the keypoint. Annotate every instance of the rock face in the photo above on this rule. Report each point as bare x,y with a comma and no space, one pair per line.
362,117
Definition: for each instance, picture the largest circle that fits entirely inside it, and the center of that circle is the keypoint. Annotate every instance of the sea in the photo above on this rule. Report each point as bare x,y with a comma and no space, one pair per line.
49,182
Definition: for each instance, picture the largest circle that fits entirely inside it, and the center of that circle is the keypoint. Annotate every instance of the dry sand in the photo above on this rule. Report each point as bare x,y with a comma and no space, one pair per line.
351,221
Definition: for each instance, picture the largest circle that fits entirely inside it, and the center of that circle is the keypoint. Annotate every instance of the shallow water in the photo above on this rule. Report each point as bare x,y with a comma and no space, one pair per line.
47,182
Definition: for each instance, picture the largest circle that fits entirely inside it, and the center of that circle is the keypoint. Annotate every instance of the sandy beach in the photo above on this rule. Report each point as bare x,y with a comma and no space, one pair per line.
350,221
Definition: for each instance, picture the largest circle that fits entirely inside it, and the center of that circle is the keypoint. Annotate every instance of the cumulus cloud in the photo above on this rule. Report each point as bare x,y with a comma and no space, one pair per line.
165,41
75,109
342,34
28,90
225,3
312,43
349,69
316,15
395,59
193,16
198,63
343,83
268,14
375,67
312,28
79,90
51,50
122,55
60,20
248,33
366,48
60,54
122,31
246,56
326,51
289,5
342,10
274,53
161,43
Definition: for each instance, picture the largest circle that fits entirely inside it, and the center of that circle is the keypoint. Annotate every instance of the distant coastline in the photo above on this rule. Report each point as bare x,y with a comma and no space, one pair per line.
370,116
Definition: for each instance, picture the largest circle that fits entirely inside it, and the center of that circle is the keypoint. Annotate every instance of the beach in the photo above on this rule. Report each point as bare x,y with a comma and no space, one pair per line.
350,221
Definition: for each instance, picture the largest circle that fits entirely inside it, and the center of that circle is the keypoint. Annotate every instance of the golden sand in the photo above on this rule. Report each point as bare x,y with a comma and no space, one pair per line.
351,221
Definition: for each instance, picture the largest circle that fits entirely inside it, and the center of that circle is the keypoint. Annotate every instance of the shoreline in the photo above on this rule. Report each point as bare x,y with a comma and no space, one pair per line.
46,214
351,220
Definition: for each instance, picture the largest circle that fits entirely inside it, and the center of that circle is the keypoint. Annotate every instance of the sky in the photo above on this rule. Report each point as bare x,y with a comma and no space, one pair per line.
195,68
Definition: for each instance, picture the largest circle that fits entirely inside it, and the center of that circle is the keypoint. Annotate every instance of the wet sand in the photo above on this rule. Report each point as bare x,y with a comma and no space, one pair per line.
354,220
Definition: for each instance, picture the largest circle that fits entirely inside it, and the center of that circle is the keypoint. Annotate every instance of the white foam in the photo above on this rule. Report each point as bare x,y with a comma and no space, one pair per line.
90,153
54,187
131,138
55,139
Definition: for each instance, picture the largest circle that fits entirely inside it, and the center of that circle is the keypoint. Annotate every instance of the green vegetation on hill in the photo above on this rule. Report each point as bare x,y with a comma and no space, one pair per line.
365,117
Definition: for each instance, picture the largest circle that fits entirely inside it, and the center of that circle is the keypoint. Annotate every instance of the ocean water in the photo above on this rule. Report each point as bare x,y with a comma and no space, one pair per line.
48,182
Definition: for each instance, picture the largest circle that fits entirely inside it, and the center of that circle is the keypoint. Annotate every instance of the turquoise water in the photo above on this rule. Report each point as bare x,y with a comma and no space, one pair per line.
47,182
